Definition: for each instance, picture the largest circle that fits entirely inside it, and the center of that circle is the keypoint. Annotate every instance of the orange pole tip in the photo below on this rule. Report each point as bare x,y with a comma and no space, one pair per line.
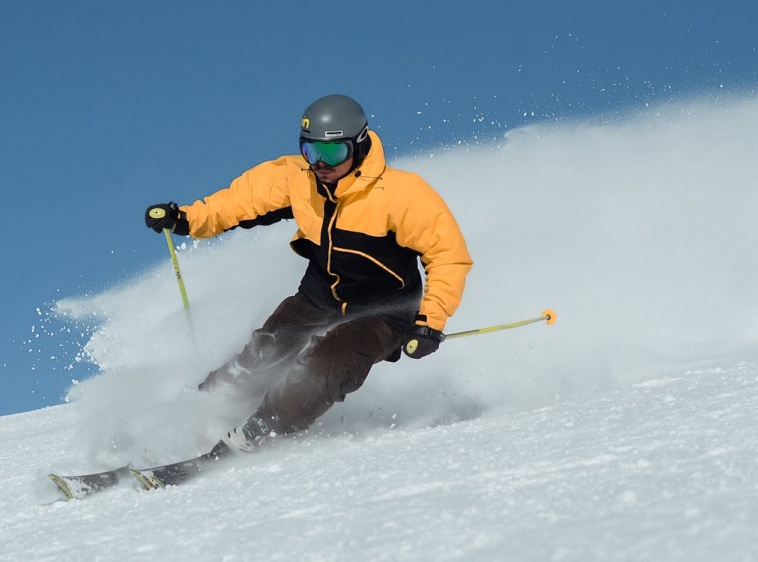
549,316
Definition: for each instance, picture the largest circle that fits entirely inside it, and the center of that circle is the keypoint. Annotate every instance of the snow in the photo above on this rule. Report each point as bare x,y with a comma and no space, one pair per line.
626,431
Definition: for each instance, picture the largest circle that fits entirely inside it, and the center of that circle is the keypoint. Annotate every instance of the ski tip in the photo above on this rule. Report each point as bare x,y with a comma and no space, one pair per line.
549,316
62,486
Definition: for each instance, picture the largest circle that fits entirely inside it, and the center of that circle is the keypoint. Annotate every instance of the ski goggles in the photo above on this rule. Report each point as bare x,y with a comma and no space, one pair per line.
330,153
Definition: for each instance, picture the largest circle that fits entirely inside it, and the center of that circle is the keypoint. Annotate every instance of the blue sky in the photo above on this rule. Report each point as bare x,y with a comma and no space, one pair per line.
107,107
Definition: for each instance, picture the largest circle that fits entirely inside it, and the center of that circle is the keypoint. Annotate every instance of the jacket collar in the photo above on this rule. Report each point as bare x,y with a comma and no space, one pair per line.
367,173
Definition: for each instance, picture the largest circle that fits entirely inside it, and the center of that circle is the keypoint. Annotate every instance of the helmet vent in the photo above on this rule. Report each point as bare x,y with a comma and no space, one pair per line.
334,134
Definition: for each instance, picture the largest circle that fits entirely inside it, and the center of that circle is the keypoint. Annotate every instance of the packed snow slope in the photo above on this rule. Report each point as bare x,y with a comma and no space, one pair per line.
626,431
662,470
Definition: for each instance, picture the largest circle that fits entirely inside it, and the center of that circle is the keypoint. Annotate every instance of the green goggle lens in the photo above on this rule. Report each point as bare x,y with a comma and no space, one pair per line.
330,153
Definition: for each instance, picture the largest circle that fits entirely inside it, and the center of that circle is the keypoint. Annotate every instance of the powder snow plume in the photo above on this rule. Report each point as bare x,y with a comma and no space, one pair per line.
638,231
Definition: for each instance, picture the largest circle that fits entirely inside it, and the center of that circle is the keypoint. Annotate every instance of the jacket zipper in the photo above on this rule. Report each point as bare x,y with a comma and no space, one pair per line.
330,217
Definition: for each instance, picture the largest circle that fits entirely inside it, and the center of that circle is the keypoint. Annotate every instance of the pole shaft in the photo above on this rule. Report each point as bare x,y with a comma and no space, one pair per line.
175,261
494,328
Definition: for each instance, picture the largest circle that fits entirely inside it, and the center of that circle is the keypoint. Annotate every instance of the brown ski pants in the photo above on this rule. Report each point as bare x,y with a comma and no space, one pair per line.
306,359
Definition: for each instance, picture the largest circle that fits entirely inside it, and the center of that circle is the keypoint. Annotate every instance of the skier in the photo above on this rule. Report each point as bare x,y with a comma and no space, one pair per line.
362,226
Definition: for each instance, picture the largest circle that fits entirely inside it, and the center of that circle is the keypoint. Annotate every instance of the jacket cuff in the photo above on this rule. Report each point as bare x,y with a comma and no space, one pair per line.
423,320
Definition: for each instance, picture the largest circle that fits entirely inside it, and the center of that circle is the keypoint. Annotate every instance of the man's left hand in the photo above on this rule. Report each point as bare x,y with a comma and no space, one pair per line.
421,341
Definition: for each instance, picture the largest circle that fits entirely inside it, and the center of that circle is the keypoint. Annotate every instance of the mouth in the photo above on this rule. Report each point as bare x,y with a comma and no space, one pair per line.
323,170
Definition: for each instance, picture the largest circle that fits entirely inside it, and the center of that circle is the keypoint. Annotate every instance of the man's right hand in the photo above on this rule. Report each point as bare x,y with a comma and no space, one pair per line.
167,215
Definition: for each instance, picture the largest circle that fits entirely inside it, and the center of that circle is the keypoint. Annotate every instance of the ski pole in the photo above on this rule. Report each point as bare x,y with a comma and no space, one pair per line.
547,315
178,272
182,290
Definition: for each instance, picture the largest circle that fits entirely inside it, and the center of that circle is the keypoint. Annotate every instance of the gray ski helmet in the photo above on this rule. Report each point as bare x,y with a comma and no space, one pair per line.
333,118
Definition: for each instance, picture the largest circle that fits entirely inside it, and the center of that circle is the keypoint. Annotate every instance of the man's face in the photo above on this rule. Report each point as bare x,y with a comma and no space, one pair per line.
329,174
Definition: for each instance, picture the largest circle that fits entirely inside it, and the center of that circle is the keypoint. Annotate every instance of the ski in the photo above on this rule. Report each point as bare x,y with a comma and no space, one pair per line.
178,472
82,485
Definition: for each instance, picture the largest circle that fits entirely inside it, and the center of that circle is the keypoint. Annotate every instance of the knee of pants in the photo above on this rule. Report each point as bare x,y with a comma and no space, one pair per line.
340,370
261,347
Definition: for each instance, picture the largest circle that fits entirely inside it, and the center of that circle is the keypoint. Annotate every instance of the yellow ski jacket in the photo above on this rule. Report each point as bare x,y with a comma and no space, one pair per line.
363,237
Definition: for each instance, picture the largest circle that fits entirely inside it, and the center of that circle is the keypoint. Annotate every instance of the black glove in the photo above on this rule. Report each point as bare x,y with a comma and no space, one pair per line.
167,215
421,341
